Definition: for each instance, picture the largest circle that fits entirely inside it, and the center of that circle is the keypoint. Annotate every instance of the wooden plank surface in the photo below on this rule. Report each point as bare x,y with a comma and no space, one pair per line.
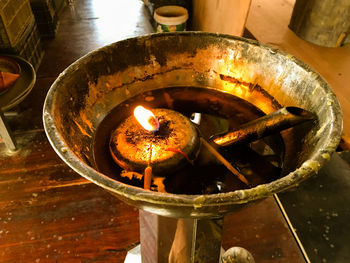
48,213
220,16
268,22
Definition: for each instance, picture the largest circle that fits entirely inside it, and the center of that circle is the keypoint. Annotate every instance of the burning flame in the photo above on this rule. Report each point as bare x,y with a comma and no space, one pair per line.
146,118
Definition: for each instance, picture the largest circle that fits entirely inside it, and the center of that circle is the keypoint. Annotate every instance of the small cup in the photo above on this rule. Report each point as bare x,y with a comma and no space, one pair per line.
171,18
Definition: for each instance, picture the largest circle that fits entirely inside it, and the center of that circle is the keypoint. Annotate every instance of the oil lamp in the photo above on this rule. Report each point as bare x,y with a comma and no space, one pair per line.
189,72
162,139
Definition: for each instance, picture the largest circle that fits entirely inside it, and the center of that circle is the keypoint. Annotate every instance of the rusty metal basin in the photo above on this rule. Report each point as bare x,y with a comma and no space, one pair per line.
267,78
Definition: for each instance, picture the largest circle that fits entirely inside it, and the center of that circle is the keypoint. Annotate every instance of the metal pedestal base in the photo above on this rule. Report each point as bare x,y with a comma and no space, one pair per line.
134,255
166,239
186,240
232,255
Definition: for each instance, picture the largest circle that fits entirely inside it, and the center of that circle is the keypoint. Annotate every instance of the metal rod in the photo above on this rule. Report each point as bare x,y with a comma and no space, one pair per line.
269,124
226,163
291,228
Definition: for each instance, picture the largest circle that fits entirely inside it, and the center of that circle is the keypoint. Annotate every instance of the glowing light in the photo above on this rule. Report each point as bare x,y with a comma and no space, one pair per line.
114,20
146,118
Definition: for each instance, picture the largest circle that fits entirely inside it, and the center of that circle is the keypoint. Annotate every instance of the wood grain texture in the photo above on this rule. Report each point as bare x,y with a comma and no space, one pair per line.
48,213
222,16
261,229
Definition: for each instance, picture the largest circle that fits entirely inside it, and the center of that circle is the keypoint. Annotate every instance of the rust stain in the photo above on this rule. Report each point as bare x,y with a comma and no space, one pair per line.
236,81
86,121
256,95
82,129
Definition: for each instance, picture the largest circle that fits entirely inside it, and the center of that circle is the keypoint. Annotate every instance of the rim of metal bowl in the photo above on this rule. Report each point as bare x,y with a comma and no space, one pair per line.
307,169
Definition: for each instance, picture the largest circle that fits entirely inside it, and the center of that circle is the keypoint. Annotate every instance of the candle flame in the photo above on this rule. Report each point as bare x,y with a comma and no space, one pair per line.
146,118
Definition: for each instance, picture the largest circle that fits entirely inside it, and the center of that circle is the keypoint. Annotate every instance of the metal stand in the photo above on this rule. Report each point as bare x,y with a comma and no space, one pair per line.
166,239
175,240
6,134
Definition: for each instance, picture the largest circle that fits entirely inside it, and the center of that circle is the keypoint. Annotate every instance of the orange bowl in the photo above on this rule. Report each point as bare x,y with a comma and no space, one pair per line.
9,73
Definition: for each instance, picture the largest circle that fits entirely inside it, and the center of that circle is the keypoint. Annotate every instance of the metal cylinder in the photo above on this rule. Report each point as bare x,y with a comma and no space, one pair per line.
269,124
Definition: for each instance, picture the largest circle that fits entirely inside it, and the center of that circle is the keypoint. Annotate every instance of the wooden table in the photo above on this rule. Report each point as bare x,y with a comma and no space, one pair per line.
48,213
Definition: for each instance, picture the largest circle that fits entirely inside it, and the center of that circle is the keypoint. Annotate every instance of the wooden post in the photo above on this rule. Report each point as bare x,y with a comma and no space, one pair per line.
220,16
322,22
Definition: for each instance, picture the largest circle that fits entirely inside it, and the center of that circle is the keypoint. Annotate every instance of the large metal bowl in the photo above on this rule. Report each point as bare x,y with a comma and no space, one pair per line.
91,87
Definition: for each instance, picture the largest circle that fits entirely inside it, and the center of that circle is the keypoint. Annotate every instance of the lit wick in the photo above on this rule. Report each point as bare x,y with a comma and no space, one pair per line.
146,118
